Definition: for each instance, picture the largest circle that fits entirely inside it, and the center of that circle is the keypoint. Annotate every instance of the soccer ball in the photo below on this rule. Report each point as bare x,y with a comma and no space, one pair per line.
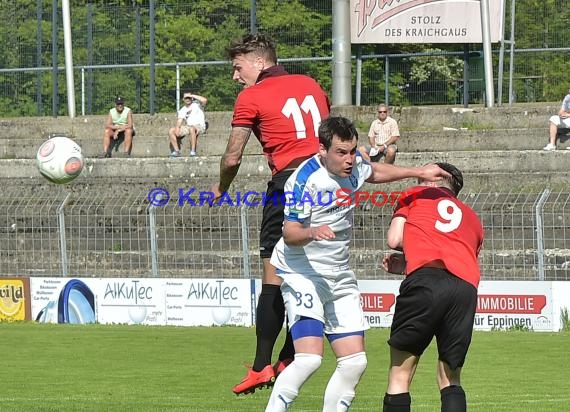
59,160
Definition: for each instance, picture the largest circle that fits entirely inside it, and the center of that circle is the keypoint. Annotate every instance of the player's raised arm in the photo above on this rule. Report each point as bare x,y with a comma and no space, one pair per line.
231,159
383,173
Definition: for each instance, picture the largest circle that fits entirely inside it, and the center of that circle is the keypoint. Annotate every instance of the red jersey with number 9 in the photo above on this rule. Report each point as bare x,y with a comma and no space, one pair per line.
440,228
284,112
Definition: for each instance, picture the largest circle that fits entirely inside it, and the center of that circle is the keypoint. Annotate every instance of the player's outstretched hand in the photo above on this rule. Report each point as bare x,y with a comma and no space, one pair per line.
322,233
433,173
394,262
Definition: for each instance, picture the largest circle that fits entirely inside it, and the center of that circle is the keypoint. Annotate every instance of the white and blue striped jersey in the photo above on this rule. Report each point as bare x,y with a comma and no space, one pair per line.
315,198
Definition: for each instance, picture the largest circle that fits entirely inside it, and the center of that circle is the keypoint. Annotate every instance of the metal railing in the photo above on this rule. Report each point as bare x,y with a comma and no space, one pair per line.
527,237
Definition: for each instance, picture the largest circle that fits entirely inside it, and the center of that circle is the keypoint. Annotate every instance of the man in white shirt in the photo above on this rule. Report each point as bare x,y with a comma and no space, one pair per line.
190,121
319,290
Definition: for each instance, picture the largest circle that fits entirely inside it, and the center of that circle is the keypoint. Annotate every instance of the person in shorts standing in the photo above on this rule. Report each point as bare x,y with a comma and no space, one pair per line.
441,238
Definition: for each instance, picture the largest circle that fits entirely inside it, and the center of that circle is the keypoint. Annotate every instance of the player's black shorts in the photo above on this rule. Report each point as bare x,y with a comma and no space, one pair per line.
272,220
433,302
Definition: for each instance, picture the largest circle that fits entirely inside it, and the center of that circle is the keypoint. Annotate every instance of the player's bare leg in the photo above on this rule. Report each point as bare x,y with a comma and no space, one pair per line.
453,397
402,369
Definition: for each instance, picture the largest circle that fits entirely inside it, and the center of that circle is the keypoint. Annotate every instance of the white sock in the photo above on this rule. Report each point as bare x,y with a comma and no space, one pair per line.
289,382
341,387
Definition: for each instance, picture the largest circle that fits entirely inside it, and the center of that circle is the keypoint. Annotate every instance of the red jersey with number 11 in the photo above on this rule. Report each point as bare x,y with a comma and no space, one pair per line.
284,112
440,228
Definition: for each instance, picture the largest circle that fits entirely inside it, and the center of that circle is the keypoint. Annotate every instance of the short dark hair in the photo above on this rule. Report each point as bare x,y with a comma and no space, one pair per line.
455,182
259,44
339,126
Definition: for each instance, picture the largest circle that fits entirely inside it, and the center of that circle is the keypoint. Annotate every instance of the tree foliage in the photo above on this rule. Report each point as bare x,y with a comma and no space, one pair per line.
115,32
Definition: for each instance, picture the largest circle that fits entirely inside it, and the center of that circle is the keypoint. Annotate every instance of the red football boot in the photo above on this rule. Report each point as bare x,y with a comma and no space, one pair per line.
255,380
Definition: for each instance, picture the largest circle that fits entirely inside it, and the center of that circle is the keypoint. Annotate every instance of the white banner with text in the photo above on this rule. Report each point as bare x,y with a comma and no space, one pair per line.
531,305
422,21
180,302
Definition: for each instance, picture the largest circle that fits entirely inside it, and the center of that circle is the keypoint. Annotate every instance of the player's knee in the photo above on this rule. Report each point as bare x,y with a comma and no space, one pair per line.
305,364
352,366
288,384
349,370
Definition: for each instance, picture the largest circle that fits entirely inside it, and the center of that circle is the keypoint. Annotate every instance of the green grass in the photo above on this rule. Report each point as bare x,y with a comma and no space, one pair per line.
143,368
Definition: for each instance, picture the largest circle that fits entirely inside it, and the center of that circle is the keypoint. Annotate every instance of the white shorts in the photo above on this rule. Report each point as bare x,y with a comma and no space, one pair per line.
333,301
559,122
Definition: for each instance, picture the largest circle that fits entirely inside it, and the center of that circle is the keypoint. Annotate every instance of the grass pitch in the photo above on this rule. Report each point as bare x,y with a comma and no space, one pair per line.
143,368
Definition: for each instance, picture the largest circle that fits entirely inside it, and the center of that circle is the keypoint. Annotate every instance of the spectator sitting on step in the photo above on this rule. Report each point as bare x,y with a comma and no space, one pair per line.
382,135
559,121
119,126
190,121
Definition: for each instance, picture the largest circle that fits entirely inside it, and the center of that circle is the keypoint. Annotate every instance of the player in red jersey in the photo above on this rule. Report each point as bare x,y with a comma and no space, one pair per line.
284,112
441,238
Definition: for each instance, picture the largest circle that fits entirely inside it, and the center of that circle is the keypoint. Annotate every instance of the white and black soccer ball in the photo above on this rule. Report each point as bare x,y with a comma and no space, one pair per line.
59,160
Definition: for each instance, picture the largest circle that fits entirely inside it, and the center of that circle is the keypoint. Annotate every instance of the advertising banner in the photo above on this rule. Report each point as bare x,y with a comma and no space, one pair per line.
64,300
378,301
181,302
130,301
216,302
14,299
207,302
507,305
422,21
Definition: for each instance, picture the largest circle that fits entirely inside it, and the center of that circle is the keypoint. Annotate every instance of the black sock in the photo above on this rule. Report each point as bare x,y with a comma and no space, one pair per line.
400,402
288,349
453,399
270,316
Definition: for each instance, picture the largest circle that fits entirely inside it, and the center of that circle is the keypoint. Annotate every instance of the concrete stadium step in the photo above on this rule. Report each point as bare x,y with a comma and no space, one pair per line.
428,118
214,142
489,170
520,127
488,162
476,140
